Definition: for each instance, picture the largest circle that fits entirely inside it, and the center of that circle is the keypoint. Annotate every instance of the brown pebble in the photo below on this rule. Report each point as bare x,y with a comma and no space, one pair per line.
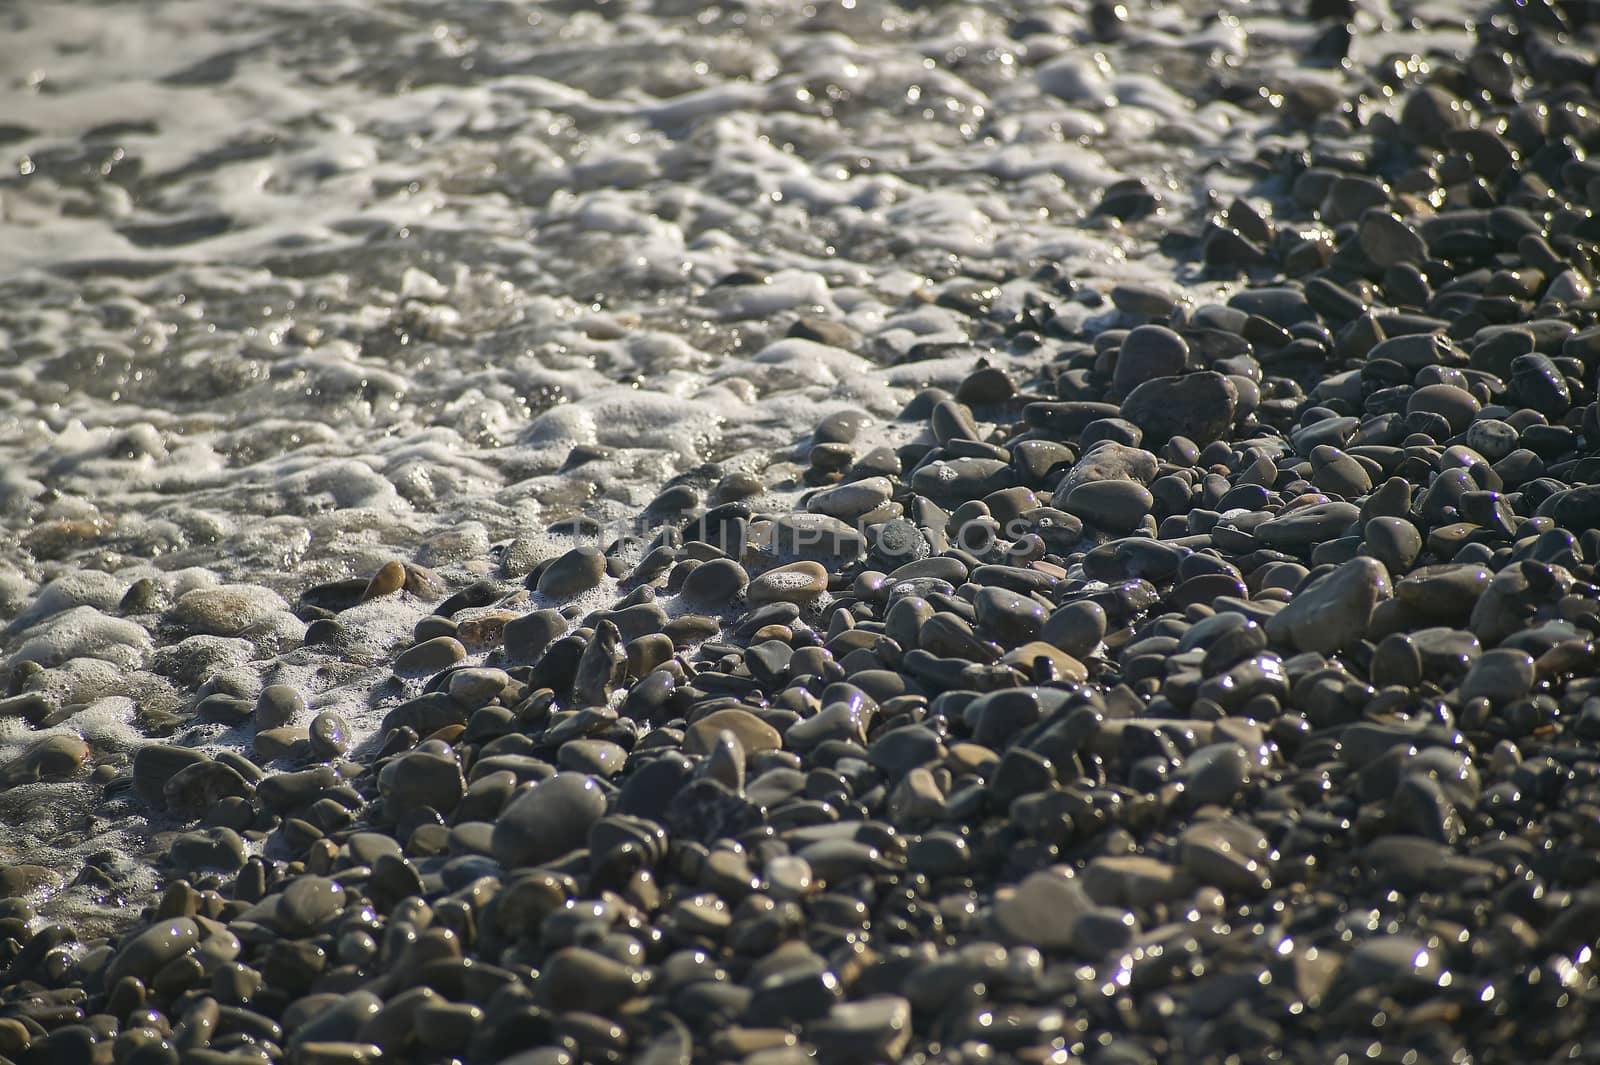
390,578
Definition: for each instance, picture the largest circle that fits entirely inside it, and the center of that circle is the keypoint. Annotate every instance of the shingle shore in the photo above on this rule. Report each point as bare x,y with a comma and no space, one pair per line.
1225,692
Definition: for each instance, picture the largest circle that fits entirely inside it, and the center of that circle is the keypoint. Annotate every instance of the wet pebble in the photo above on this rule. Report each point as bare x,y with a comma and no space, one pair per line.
1332,613
572,574
797,582
548,820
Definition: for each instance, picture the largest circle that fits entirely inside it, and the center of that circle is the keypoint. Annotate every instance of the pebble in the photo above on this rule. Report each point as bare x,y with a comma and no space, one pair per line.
1010,617
1108,460
216,849
1117,506
52,759
1337,474
1148,352
850,501
1307,526
420,779
527,637
278,705
308,902
1042,911
389,579
146,953
1500,676
430,656
548,820
156,763
1394,542
329,736
1229,853
1455,405
1134,881
1387,240
1333,612
1076,628
716,582
873,1029
571,574
592,757
1198,406
753,734
1143,301
797,582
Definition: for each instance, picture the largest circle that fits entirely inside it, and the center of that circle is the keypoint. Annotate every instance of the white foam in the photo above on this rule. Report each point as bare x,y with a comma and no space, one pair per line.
1077,77
79,680
84,632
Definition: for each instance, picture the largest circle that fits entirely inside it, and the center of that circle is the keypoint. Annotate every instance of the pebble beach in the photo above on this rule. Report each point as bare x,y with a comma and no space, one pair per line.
590,532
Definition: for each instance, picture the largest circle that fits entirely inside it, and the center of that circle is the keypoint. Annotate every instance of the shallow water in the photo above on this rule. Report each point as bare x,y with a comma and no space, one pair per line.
288,290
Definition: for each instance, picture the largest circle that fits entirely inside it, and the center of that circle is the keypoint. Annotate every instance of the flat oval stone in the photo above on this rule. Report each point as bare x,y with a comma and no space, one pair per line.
548,820
308,901
1008,616
1147,301
1077,628
1134,881
797,582
477,686
1228,852
1282,305
1114,506
573,573
147,952
430,656
594,757
218,849
818,538
847,502
54,758
1148,352
576,978
1455,405
754,734
526,637
419,778
1387,240
1395,542
715,582
156,763
389,579
954,481
1309,525
1401,962
1337,473
1040,911
879,1026
1573,509
1332,613
278,705
1107,460
1198,406
1448,590
951,420
329,735
1500,676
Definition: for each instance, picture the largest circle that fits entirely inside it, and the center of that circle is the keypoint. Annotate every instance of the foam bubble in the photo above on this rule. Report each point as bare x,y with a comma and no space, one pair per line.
80,587
84,632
